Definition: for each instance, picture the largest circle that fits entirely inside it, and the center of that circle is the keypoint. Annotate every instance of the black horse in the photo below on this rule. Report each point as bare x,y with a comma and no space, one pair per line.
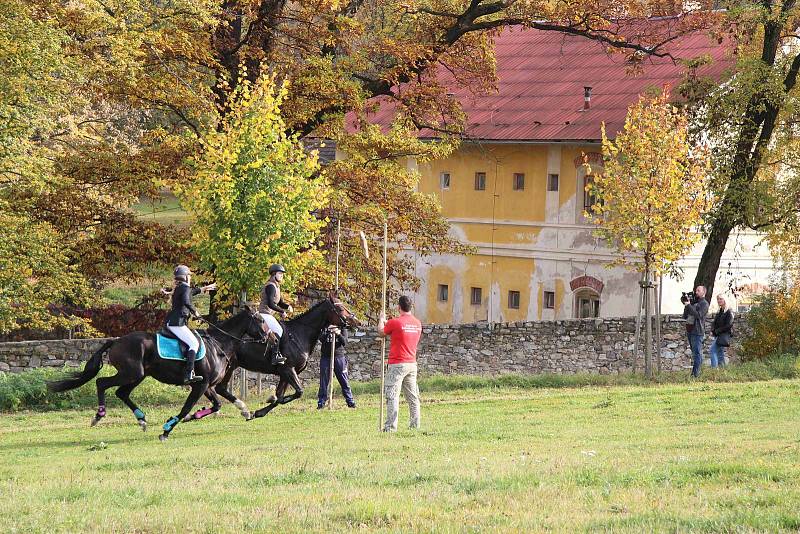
135,356
299,337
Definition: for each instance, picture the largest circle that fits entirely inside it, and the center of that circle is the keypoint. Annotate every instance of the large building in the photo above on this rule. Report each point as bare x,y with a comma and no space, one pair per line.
515,190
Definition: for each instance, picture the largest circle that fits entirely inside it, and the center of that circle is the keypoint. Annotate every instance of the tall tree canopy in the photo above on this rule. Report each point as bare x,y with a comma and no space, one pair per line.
252,201
751,120
106,102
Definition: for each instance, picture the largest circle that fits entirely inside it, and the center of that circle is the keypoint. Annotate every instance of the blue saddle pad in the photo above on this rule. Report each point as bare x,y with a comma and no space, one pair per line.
170,349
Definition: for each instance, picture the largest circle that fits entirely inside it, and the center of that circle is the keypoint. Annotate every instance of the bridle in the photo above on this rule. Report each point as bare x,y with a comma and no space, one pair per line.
337,308
252,320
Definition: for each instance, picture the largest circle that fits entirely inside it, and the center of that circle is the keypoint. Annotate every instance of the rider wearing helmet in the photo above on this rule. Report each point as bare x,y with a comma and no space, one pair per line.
179,314
272,303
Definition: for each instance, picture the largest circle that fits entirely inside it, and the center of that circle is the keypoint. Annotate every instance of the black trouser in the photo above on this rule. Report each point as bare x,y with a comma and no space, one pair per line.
340,370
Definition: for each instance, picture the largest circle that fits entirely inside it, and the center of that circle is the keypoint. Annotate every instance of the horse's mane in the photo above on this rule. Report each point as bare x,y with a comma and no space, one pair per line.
300,318
225,323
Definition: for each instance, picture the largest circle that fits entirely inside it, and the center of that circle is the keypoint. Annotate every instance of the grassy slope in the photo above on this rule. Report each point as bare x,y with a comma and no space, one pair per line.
166,210
704,457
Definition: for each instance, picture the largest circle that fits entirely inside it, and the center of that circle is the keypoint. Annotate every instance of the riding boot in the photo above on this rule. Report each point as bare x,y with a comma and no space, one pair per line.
189,376
277,357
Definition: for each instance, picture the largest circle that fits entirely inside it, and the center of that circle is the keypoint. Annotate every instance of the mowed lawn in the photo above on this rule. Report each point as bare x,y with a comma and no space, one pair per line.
684,457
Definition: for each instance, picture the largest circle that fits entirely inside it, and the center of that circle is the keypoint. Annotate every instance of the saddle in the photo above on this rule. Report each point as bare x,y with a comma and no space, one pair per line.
169,347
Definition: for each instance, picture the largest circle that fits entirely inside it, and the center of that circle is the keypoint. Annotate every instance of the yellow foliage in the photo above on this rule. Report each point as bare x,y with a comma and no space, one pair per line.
652,193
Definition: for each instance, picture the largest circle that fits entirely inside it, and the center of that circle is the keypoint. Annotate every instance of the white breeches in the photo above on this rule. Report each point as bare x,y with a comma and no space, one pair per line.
273,324
185,334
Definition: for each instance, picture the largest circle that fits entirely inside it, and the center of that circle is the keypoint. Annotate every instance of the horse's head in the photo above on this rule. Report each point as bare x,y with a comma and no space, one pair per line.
339,315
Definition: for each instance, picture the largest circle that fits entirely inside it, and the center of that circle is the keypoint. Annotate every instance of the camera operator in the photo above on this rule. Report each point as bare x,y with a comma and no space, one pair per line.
694,312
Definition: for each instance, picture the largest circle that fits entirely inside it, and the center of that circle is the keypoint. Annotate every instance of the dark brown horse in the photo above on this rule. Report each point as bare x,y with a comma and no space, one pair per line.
134,356
299,338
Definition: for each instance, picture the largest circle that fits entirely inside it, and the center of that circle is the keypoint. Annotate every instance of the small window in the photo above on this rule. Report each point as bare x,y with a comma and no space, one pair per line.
552,182
443,293
476,296
519,181
444,180
480,181
589,197
549,300
513,300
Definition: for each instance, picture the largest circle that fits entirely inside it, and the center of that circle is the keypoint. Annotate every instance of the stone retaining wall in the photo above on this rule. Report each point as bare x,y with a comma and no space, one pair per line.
569,346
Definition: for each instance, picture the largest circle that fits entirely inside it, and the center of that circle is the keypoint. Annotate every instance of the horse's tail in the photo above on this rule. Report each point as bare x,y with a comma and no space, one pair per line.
79,378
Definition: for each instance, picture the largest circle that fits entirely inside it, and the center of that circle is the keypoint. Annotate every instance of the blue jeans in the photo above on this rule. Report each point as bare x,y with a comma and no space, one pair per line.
696,343
340,371
717,354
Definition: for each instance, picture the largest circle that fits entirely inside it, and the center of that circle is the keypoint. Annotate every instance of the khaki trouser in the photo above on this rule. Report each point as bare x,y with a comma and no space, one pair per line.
401,375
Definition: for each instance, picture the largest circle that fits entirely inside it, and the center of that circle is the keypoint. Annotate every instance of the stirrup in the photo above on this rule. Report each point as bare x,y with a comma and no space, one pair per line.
278,359
192,379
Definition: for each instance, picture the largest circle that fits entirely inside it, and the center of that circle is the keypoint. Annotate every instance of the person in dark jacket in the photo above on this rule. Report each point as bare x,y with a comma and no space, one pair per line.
178,317
696,312
272,303
327,338
722,329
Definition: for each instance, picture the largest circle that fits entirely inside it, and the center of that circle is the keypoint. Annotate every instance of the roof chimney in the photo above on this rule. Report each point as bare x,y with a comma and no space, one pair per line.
587,97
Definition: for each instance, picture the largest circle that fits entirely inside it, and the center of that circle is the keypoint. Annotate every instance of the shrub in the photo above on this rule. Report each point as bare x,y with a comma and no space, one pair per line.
117,320
774,323
28,390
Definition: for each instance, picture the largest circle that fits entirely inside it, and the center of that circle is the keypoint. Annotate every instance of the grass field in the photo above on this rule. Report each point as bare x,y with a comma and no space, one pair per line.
166,210
705,457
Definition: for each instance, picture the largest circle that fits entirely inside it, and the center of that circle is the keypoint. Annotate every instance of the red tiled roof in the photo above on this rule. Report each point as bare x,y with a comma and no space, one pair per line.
541,79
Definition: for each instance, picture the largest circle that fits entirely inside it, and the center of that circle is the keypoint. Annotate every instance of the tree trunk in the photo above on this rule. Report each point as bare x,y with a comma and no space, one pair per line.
712,254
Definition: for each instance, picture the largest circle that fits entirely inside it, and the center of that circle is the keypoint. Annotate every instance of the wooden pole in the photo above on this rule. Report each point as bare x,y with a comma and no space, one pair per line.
243,375
638,326
383,308
333,340
658,322
648,328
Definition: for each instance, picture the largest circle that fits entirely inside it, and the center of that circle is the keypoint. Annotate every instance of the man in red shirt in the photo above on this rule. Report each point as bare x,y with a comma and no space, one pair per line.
404,331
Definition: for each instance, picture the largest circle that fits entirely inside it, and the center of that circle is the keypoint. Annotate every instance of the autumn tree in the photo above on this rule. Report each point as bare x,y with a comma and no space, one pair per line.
252,200
652,193
136,87
751,120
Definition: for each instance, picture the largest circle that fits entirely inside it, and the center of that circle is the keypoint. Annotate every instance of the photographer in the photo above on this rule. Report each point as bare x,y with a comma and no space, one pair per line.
694,312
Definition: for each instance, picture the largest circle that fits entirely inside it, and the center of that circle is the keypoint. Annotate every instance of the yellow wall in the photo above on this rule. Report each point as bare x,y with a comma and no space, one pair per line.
483,217
515,274
499,162
439,312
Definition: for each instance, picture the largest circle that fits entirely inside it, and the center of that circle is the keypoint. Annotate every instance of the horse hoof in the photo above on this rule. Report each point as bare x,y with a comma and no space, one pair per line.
163,437
247,415
143,424
272,399
189,417
95,420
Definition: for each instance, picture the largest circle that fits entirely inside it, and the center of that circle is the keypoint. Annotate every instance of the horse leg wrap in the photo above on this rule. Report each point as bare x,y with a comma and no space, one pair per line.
139,414
101,412
170,424
199,414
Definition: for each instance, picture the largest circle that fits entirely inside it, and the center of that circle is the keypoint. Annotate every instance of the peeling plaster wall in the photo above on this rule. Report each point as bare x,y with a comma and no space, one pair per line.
534,240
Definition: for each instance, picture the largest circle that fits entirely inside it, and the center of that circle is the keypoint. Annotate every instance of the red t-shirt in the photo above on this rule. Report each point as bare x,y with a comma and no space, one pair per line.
405,332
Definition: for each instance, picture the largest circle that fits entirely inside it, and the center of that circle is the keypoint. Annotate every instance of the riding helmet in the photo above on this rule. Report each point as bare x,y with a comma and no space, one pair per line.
182,270
276,268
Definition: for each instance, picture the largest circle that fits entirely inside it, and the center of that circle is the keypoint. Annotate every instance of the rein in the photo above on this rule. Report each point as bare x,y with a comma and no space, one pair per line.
209,323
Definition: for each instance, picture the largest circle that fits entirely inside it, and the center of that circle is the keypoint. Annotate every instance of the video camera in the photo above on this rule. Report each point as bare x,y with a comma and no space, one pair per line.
688,297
